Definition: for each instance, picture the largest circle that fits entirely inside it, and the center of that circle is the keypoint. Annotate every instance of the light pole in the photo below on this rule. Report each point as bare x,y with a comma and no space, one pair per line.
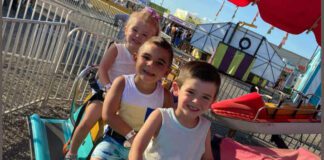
162,3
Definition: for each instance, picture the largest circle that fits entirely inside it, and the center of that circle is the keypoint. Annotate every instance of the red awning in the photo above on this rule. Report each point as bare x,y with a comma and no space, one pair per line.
292,16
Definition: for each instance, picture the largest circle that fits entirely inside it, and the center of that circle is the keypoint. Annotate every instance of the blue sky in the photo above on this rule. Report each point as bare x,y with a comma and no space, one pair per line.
302,44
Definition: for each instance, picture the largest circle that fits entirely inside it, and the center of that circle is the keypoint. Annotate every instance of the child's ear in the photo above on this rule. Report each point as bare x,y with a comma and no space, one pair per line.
175,88
124,29
135,56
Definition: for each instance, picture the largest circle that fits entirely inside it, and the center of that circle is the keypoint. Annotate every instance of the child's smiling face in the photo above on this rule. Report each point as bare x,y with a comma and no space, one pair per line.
137,33
195,97
152,63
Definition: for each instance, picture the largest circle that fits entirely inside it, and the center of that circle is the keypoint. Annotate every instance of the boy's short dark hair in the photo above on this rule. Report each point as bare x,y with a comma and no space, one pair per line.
200,70
162,43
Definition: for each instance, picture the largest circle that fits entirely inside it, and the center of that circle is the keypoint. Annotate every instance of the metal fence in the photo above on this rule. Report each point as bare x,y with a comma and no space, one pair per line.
37,45
29,53
44,46
81,49
97,9
47,43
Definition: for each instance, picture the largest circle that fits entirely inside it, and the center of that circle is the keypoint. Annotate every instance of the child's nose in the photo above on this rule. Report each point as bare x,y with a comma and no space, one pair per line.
195,100
150,63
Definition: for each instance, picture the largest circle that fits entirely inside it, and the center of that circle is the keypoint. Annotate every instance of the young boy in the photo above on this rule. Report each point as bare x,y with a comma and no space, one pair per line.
133,97
181,133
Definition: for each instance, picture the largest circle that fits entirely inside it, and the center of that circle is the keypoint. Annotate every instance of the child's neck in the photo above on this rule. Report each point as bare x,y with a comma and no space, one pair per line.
188,122
131,50
144,87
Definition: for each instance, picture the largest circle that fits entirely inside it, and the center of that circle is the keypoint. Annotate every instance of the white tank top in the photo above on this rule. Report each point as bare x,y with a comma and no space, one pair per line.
135,106
124,63
176,142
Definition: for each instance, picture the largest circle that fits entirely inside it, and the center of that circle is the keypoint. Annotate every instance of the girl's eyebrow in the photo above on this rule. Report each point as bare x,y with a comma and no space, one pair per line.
146,54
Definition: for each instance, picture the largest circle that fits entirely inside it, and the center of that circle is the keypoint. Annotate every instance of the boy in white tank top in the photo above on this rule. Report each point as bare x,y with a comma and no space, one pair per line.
181,133
132,98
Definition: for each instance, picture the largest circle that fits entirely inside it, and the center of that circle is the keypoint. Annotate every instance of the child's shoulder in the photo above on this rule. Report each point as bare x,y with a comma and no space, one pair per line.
204,120
166,109
120,80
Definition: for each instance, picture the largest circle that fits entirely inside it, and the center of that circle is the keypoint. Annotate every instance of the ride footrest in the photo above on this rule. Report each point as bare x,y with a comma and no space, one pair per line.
47,136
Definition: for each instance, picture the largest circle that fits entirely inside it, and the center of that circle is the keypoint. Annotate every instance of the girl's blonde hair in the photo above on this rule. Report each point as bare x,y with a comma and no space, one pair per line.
146,15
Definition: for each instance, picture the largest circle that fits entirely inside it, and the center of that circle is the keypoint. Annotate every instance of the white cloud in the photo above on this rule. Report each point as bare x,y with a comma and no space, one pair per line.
194,13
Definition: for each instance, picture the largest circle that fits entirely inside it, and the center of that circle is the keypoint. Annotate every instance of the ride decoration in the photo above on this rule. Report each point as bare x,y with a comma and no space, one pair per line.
292,16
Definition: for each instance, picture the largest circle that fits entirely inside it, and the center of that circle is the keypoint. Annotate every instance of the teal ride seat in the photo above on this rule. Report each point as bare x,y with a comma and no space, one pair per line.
48,135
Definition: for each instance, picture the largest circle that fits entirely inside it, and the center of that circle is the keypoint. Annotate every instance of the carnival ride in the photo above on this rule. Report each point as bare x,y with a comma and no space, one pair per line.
50,134
250,113
264,118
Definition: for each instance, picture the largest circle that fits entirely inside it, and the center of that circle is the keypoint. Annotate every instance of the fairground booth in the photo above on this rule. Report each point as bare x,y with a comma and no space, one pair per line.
239,52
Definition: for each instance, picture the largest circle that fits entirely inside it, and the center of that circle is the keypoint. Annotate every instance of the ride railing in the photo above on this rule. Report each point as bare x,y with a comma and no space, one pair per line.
57,11
231,88
94,8
30,48
94,25
35,10
37,30
82,48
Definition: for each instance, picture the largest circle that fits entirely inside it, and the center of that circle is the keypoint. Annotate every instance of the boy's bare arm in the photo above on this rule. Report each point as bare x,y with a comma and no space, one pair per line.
151,128
208,155
105,64
111,106
168,100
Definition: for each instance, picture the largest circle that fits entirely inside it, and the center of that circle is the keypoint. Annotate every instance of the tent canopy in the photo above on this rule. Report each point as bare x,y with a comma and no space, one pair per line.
292,16
268,64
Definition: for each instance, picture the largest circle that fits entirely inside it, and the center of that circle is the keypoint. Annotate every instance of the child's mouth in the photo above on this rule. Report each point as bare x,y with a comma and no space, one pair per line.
193,108
148,73
136,42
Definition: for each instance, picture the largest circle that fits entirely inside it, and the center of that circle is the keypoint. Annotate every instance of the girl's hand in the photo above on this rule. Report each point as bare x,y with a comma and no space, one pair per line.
128,143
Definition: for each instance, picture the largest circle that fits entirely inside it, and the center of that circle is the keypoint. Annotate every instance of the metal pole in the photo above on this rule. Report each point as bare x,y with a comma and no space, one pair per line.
322,79
1,104
162,3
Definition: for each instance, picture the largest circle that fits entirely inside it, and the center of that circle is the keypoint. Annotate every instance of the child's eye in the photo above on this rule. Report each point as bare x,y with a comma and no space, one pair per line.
206,98
134,29
144,35
146,57
190,91
160,63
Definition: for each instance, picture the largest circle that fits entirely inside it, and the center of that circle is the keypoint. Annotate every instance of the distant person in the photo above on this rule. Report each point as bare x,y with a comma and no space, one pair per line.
280,83
120,20
181,133
183,37
177,38
186,43
173,32
167,29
